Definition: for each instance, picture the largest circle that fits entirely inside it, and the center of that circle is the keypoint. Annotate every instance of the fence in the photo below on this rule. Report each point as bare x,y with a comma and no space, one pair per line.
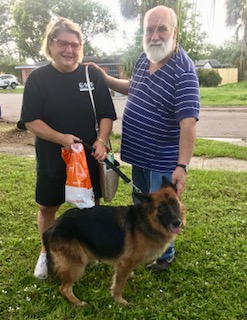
228,75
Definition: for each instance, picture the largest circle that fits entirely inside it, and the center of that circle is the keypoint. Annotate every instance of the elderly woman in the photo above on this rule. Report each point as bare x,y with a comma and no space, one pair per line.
57,109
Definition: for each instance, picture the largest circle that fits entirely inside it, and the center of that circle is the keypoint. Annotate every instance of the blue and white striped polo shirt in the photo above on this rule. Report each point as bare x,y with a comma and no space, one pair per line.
156,104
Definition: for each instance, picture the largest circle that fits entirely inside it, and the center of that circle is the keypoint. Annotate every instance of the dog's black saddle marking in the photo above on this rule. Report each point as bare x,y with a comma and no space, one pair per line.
97,228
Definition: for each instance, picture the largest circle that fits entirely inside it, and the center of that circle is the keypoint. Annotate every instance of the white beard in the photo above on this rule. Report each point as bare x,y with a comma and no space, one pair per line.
156,51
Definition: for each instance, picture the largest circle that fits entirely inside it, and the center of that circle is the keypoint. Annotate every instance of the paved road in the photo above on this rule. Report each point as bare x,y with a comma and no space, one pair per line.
222,123
217,123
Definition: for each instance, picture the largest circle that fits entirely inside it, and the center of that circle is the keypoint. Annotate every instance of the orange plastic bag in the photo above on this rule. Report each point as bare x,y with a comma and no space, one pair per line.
78,187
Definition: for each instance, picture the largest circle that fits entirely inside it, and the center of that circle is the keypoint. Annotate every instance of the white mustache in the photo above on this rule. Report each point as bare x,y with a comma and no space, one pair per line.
155,43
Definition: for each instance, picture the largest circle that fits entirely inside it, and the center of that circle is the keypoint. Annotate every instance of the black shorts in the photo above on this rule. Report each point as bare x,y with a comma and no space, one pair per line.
51,191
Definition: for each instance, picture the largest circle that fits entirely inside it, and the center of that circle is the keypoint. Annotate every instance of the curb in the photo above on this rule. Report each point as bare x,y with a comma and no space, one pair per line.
223,108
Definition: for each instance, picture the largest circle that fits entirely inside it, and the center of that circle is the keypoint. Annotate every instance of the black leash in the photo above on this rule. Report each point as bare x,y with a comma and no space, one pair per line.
114,168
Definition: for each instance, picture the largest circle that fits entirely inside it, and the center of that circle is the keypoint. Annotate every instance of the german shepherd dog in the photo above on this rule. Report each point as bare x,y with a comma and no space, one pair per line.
124,236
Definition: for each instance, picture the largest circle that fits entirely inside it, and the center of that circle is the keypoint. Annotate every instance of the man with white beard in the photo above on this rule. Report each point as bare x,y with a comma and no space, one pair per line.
158,129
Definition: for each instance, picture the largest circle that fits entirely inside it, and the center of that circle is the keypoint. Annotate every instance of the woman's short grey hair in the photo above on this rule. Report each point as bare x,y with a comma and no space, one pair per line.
54,28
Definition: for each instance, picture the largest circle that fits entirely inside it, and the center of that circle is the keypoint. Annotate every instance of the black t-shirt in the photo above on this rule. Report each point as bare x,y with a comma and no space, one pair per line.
62,101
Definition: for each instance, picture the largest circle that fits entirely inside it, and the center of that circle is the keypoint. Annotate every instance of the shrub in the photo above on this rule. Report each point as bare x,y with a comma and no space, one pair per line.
208,78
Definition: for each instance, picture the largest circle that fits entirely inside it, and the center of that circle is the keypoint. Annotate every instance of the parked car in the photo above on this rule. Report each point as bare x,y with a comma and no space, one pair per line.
8,80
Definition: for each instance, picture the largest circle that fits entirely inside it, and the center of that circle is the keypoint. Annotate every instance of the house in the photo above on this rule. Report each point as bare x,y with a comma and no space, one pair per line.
209,64
26,69
110,64
227,73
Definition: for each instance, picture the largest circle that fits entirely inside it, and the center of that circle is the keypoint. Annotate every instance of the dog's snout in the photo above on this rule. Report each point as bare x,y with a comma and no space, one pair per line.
176,223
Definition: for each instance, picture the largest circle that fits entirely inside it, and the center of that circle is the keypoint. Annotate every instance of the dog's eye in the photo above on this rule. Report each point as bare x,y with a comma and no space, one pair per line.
163,206
174,203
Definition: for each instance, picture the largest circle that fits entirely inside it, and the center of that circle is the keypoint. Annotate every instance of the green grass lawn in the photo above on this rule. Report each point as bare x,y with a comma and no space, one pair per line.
208,281
203,147
226,95
7,91
215,149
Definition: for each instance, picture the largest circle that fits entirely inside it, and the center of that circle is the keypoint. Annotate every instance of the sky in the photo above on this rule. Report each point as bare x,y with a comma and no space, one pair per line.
213,22
121,38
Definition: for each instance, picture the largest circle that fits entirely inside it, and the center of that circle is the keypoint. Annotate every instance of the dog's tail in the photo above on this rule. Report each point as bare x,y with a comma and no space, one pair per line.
47,238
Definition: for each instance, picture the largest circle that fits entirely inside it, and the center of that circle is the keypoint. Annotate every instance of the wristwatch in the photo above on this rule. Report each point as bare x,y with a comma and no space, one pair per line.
184,166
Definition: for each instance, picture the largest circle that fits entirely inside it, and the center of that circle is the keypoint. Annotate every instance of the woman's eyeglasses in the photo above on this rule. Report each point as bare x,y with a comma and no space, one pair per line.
62,44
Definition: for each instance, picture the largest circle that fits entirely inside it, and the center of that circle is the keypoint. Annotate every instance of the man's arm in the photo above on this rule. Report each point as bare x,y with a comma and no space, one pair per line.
186,146
187,140
119,85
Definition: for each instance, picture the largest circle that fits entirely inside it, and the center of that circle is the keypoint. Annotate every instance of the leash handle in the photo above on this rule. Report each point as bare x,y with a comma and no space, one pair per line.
111,165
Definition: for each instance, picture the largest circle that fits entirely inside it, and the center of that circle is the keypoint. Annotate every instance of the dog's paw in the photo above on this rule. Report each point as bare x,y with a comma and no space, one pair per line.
82,304
124,302
121,300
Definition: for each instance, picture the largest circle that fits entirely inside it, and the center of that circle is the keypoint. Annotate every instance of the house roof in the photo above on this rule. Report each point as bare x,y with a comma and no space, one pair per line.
213,63
33,66
104,60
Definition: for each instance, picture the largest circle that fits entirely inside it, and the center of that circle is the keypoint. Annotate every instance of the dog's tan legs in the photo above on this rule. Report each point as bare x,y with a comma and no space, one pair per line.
122,272
68,277
69,263
66,290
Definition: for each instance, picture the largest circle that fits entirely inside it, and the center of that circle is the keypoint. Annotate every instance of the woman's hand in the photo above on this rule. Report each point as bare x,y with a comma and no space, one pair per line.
100,151
68,140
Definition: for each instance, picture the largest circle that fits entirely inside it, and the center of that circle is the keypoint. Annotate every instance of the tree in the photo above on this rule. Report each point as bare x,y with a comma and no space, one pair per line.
237,17
190,36
93,19
132,9
7,47
31,19
226,53
131,55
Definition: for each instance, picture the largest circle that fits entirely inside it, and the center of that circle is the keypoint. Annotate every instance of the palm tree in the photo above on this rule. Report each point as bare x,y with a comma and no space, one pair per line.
237,17
131,9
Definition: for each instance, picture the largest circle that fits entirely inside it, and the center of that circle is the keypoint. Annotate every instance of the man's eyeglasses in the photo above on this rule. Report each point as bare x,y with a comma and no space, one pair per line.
160,30
62,44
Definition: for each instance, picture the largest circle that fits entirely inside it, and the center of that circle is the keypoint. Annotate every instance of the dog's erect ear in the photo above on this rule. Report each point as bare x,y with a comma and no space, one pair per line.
143,197
167,183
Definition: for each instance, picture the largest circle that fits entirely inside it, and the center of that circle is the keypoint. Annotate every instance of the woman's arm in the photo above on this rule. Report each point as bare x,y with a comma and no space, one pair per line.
40,129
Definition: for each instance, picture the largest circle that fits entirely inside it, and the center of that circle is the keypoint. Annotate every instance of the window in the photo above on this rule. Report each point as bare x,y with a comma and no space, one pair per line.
113,71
